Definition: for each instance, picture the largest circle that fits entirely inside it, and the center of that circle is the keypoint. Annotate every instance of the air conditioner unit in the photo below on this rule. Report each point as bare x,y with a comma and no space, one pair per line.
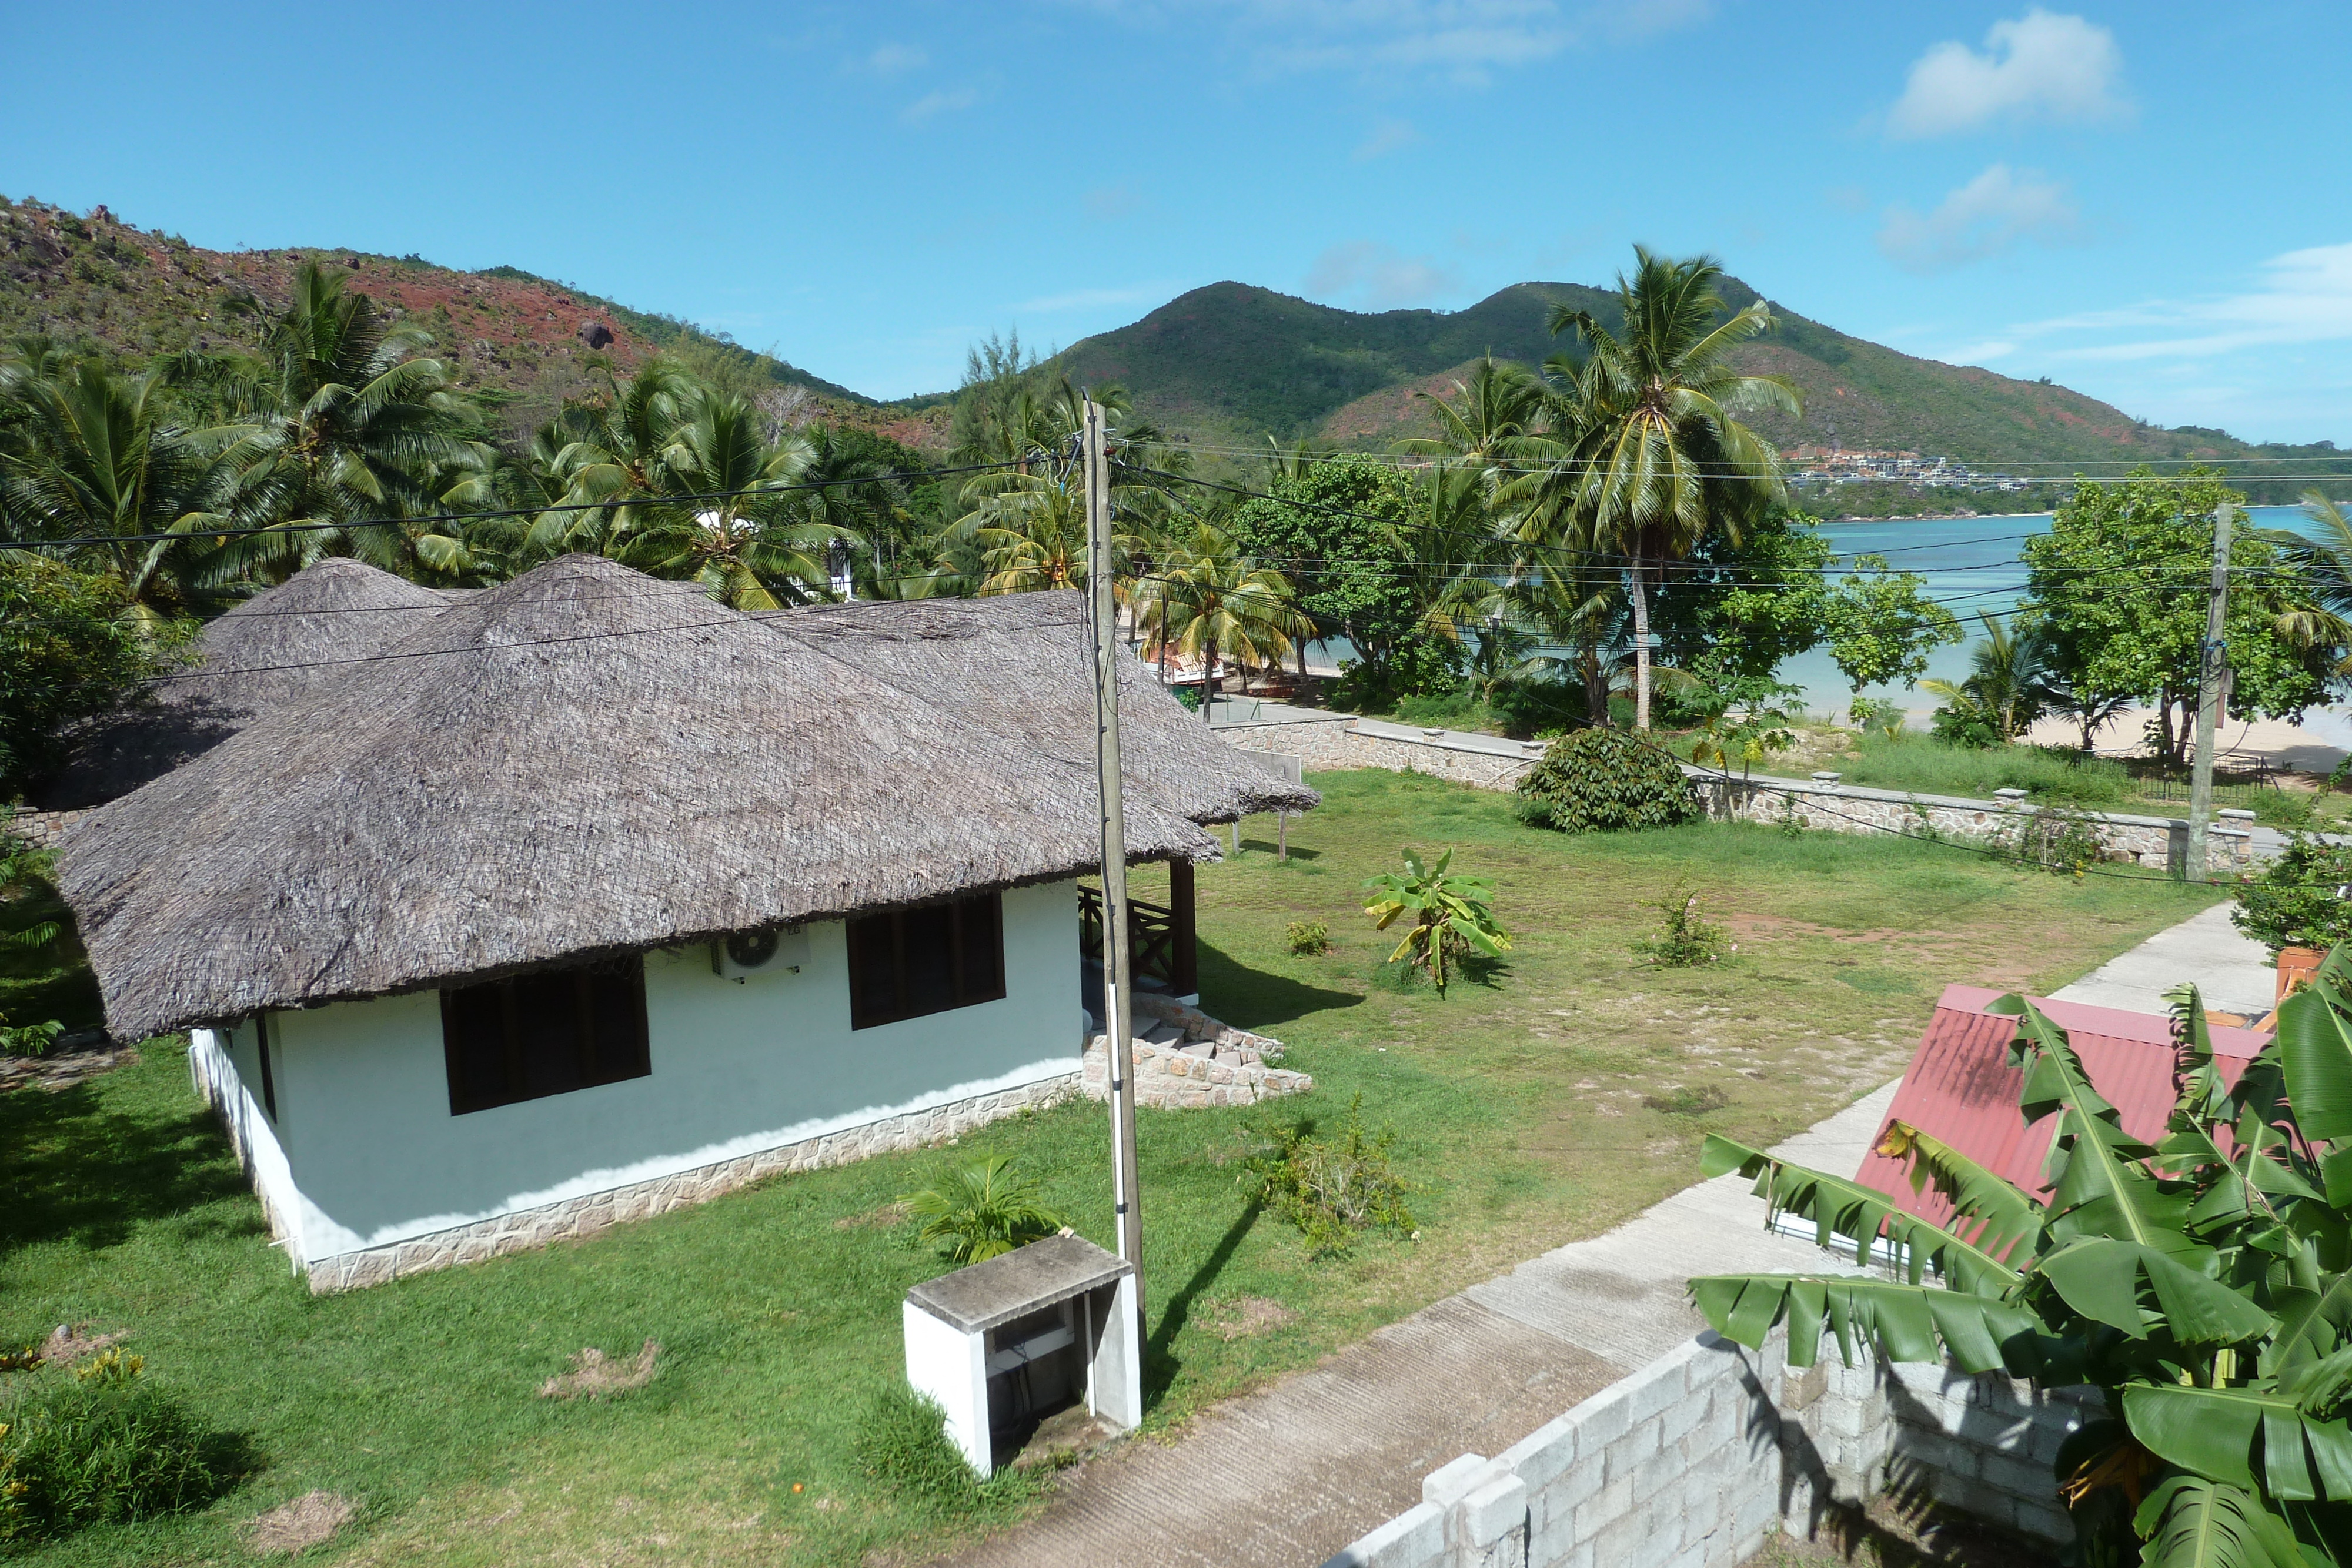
772,950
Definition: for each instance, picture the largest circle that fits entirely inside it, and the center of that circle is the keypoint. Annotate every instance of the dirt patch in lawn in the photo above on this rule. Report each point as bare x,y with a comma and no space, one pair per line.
594,1374
889,1213
63,1069
1246,1315
67,1342
301,1524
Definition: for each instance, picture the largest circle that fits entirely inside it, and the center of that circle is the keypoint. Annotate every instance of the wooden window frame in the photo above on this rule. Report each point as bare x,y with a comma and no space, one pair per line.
967,990
588,1024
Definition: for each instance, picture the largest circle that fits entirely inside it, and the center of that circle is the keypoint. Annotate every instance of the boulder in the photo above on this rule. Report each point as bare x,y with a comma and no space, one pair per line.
595,334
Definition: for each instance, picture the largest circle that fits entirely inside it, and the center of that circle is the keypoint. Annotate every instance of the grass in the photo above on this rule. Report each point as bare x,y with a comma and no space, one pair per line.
1521,1104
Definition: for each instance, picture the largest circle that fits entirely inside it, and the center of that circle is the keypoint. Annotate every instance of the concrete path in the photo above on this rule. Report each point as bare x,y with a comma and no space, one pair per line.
1286,1477
2233,971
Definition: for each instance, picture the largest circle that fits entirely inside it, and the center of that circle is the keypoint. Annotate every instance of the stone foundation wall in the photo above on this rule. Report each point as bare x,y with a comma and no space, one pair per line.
582,1216
42,830
1693,1461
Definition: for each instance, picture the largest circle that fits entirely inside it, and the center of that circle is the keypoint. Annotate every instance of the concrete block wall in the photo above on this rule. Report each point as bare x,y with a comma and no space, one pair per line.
1693,1461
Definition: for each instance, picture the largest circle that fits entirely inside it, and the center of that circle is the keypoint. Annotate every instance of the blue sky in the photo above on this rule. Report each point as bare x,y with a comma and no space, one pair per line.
2144,200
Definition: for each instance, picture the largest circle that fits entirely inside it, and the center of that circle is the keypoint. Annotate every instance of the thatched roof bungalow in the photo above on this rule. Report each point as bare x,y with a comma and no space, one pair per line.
582,895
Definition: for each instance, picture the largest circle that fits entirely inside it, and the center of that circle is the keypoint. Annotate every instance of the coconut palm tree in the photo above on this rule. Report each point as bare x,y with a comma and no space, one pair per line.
2321,615
1491,425
344,424
716,511
94,456
1208,599
1652,459
2008,683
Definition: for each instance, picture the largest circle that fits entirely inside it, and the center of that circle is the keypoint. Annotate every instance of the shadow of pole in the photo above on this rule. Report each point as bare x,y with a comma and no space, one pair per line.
1159,1364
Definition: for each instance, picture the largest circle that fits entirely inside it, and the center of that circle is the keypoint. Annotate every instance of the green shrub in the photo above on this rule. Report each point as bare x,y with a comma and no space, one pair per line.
2293,902
1307,937
2063,842
982,1209
1332,1189
106,1448
1602,780
1684,938
1969,728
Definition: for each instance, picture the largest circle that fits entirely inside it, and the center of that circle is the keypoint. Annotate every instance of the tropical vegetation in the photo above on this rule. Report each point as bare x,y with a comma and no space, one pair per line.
1446,916
2200,1280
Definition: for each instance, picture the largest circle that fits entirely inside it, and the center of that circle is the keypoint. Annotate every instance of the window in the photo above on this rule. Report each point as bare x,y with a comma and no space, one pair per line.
911,962
268,1079
547,1032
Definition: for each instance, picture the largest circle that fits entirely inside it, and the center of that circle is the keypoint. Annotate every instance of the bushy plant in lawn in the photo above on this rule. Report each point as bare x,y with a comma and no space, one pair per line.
2061,842
982,1209
1602,780
1451,916
1331,1188
2301,898
1686,938
105,1448
2199,1281
1307,938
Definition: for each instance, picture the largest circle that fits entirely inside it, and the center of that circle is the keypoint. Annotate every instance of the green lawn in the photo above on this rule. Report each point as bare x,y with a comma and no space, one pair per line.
1518,1103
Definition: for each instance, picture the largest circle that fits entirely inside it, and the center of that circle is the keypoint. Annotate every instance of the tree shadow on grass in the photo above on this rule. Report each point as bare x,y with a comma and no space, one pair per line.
1160,1362
73,1169
1255,1001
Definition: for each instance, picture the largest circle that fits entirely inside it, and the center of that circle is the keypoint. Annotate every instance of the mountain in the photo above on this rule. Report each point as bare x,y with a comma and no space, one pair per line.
1231,364
518,343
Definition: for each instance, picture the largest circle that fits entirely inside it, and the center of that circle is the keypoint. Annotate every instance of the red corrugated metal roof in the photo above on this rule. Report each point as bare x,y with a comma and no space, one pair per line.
1961,1089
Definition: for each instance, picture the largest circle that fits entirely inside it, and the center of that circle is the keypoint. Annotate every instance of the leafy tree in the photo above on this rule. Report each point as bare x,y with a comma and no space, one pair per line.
1605,780
1340,533
71,649
2120,580
1450,916
2199,1281
2295,900
1653,459
1881,626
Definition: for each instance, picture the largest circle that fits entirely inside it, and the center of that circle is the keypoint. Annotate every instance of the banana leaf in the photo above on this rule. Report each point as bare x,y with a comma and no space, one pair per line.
2193,1522
2011,1218
1897,1322
1859,1214
2103,1278
2315,1044
2243,1437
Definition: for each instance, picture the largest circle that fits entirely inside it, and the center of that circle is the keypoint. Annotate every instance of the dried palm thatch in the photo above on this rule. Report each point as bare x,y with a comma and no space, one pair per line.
1018,664
279,647
579,762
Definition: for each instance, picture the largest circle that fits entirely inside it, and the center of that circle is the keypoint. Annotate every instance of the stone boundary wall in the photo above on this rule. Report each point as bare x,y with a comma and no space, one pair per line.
42,830
1337,742
1176,1080
1693,1461
1828,808
585,1215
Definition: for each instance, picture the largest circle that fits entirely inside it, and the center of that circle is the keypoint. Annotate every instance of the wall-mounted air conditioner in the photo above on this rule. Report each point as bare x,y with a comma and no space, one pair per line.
772,950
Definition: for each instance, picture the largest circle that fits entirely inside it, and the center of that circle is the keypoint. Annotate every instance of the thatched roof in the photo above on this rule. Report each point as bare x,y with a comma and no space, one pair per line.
1018,664
581,761
279,647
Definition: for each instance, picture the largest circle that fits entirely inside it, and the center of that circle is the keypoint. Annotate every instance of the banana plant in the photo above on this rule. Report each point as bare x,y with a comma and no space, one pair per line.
2203,1282
1450,914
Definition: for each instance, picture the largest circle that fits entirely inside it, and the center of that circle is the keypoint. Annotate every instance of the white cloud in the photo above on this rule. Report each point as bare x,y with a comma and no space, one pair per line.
2042,66
1378,277
1460,41
890,59
942,102
1386,136
1980,219
2303,296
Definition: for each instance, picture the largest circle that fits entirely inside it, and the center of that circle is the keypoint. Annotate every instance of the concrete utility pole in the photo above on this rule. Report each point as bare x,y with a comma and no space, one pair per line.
1118,1038
2212,671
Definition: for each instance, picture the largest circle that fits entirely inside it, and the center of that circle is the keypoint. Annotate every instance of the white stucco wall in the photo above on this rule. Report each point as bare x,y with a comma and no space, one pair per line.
373,1155
222,1063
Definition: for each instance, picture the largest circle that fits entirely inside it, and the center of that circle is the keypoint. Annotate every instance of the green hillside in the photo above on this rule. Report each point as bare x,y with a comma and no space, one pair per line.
1231,364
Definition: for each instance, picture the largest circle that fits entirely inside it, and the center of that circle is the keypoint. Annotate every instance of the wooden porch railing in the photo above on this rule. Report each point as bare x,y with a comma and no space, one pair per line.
1155,945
